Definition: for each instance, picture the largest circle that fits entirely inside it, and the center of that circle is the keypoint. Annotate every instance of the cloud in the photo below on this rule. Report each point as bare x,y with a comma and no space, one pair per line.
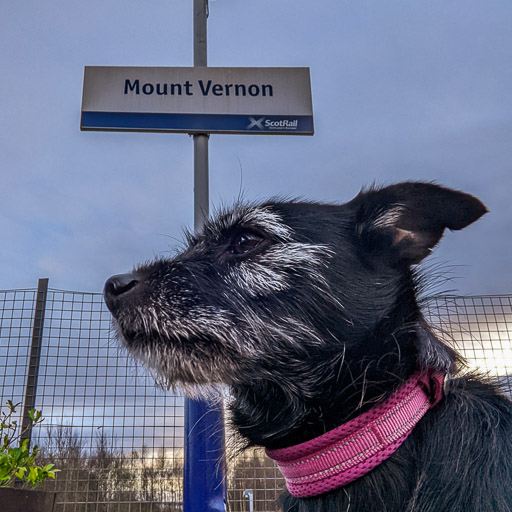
400,91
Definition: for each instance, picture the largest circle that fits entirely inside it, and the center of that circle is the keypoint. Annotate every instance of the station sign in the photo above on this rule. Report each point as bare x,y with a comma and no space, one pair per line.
197,100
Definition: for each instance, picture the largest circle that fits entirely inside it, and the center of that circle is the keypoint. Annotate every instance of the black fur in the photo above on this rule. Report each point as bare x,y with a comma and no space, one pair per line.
320,321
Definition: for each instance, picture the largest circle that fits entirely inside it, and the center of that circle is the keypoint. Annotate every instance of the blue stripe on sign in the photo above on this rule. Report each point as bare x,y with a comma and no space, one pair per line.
189,123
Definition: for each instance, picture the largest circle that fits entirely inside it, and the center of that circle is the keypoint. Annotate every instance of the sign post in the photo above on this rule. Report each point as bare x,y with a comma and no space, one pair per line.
204,479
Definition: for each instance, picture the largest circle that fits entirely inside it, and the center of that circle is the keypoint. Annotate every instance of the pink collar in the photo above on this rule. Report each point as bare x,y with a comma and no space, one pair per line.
349,451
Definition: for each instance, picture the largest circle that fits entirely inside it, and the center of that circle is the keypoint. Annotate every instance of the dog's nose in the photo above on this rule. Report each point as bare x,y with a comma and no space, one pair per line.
116,287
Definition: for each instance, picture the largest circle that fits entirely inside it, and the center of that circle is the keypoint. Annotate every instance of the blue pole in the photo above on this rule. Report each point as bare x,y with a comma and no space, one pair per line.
204,480
204,486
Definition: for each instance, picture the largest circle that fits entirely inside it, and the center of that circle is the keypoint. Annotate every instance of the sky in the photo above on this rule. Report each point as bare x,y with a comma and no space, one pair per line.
401,91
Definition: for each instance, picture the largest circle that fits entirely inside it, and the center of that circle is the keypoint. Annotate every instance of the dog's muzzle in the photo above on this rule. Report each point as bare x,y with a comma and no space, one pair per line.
120,288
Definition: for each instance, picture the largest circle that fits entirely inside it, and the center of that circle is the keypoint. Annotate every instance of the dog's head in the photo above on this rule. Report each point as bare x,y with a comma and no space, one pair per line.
295,289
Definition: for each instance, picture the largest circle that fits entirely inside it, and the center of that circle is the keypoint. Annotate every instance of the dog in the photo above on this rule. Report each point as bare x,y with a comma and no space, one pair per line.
308,312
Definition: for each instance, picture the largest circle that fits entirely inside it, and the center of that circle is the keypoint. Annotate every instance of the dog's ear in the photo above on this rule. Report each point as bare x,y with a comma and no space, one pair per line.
406,220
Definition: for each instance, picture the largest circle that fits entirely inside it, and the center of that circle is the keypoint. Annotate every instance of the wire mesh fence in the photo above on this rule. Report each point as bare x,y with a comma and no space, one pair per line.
479,328
118,438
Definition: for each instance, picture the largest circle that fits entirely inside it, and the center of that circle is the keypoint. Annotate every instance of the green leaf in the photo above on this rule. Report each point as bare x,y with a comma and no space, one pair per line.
20,473
32,475
35,415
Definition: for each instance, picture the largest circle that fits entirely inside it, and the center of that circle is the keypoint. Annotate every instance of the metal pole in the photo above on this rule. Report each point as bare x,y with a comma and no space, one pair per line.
200,35
35,356
201,187
204,482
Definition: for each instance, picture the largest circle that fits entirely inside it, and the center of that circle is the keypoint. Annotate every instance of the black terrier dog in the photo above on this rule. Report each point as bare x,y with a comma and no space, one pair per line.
308,312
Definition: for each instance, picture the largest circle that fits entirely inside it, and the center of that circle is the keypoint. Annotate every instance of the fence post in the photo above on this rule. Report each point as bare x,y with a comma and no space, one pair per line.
35,356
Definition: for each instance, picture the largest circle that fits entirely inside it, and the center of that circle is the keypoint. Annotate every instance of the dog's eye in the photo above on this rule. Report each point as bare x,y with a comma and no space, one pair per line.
245,242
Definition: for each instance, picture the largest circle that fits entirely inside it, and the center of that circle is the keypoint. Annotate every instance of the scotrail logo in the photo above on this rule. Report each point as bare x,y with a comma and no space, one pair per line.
256,123
261,123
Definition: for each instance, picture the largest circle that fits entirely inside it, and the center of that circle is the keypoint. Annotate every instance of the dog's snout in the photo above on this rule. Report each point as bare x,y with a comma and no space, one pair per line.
117,286
120,284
